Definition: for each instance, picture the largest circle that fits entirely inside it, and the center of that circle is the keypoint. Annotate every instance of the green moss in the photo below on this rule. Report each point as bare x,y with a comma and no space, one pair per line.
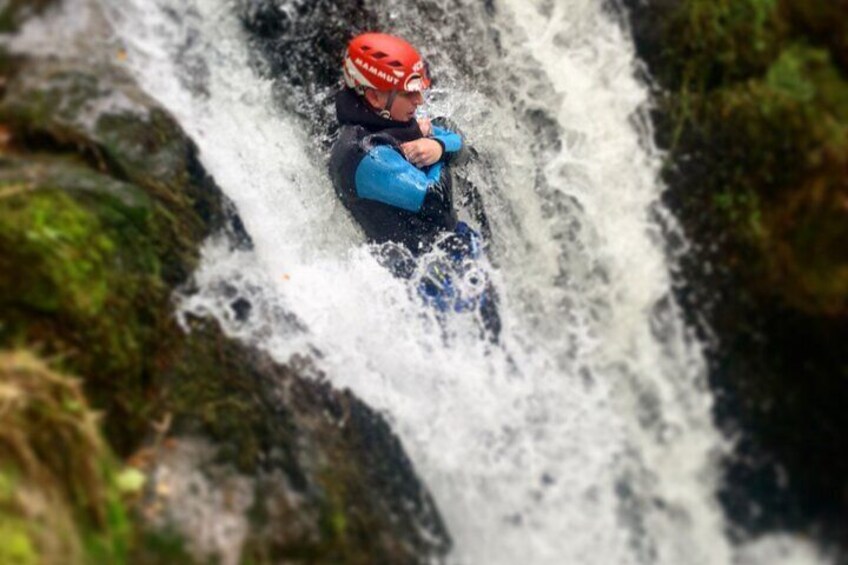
809,76
90,290
334,517
743,209
209,387
7,485
338,523
785,136
68,248
143,146
16,546
716,41
822,24
788,74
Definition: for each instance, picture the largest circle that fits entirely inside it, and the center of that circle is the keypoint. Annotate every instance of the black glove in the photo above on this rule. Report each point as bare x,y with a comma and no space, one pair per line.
438,204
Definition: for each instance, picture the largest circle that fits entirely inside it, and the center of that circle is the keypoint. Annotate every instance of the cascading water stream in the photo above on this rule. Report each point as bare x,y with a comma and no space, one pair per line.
584,436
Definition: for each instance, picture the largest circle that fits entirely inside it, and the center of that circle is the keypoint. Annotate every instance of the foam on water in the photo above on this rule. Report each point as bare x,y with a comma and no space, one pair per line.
584,436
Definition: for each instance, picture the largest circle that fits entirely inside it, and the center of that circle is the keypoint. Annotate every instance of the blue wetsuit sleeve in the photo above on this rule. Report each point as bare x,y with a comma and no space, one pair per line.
386,176
451,141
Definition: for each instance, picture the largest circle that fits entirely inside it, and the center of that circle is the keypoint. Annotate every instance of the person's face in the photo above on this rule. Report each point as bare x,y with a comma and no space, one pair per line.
404,106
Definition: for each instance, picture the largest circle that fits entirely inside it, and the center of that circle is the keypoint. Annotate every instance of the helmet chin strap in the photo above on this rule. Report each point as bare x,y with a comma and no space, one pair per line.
386,112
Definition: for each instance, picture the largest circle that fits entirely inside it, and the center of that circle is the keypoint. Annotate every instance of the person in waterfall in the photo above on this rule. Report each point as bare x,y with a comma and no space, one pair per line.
389,168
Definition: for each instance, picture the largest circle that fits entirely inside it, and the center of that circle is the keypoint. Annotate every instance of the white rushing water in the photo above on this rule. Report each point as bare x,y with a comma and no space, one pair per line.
584,436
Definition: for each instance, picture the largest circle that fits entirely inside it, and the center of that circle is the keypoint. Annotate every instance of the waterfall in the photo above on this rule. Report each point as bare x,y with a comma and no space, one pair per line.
584,435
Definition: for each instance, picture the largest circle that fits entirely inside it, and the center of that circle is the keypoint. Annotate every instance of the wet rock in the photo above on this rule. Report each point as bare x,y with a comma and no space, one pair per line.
329,480
299,45
103,206
99,116
242,308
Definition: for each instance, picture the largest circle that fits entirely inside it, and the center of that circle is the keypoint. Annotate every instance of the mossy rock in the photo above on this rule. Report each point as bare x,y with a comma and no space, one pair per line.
105,202
100,116
82,279
331,480
753,108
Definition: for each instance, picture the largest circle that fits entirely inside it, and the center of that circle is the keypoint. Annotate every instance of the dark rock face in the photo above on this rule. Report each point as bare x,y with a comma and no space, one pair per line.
301,46
14,12
330,480
745,93
103,206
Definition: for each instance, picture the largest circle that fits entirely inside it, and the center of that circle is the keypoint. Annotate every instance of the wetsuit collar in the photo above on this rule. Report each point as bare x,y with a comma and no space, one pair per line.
352,110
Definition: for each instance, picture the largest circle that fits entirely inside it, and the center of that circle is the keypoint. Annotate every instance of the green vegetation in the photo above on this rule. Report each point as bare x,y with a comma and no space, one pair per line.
59,501
81,282
77,257
759,96
753,108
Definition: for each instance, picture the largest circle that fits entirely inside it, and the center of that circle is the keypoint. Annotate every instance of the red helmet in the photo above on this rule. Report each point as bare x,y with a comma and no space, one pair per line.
384,62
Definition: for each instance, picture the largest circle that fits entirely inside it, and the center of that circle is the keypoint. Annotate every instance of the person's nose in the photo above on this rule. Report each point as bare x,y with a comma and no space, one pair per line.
418,98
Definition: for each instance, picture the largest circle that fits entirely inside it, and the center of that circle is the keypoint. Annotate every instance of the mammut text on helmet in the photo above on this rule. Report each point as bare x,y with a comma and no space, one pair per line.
375,71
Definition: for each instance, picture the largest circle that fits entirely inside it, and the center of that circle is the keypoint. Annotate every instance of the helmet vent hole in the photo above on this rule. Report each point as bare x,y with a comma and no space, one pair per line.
395,64
365,48
379,55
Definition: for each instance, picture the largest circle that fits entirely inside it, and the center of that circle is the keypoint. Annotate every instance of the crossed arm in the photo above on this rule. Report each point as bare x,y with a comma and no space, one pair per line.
437,142
405,180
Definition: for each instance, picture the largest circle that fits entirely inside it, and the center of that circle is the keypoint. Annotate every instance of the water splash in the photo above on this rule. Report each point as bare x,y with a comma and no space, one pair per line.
584,437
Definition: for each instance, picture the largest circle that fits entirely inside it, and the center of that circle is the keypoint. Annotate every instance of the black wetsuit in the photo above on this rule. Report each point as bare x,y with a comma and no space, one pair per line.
392,199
